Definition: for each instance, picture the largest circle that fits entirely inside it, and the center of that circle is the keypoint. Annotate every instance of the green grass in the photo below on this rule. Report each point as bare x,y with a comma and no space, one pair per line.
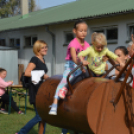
9,124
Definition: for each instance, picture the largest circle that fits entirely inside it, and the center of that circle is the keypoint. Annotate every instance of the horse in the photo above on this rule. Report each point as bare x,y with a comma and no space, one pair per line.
92,106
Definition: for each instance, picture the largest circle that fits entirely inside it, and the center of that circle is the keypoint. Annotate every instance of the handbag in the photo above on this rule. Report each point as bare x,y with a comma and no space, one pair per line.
25,81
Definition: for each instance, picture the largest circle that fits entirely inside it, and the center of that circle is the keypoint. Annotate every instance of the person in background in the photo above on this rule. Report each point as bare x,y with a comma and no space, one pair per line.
4,98
130,49
122,53
37,63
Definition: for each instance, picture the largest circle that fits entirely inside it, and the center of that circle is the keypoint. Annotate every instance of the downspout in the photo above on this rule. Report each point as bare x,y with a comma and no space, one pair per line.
53,65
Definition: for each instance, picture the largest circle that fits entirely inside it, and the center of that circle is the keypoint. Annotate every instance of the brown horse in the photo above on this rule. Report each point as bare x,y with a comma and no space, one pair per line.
93,105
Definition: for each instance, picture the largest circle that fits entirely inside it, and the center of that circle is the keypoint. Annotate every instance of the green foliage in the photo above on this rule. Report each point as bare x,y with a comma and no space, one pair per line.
12,7
31,5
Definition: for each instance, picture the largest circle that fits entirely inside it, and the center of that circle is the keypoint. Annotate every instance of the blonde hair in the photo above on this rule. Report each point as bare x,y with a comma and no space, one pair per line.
98,38
38,45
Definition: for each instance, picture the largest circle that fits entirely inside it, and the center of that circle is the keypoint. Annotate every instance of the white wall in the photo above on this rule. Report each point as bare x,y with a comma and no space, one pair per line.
121,21
25,53
9,61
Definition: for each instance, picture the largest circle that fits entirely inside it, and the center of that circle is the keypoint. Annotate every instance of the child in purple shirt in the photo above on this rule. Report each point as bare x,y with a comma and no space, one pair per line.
77,45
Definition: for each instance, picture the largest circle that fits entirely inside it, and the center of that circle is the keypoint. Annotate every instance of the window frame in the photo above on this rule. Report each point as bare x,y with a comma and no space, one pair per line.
129,32
112,41
65,37
4,41
31,36
15,42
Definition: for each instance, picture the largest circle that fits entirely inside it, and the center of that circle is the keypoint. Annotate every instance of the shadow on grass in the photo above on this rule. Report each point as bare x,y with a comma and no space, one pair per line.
28,108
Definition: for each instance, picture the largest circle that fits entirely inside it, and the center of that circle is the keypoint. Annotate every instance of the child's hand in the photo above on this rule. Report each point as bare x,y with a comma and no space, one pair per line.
105,58
11,82
85,63
83,70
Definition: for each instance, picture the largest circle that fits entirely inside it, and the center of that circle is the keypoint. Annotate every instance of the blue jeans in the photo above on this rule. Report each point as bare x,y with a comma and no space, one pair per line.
64,131
31,123
68,67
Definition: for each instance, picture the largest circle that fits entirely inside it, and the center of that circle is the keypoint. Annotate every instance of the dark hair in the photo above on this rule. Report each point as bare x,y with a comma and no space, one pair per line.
2,69
123,49
79,22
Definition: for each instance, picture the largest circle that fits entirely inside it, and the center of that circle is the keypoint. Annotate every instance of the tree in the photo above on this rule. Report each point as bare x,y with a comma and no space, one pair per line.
12,7
32,5
3,8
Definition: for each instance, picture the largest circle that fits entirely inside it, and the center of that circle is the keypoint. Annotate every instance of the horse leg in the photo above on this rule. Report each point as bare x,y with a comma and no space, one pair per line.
41,127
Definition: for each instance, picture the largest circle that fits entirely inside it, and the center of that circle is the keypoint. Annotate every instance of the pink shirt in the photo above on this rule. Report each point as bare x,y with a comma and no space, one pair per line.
3,85
78,47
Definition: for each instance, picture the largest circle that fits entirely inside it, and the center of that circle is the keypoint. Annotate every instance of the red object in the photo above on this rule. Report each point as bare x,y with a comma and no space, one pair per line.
63,92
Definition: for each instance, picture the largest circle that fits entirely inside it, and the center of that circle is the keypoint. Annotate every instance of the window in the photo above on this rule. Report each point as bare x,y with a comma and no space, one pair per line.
99,31
14,42
68,37
110,32
130,31
17,42
34,39
30,40
2,42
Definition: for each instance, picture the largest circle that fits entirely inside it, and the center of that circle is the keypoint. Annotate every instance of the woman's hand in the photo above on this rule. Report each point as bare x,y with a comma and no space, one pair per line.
122,65
120,62
46,76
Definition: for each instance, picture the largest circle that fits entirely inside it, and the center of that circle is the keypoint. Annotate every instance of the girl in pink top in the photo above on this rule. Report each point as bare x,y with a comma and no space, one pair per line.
77,45
3,96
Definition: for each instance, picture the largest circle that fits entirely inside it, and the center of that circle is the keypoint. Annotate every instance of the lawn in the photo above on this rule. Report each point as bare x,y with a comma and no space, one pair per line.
9,124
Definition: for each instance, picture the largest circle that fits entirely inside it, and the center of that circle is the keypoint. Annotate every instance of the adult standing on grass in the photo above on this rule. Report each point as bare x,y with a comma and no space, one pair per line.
37,63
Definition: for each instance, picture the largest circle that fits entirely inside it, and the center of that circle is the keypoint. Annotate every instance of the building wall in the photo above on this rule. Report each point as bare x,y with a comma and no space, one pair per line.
25,53
9,61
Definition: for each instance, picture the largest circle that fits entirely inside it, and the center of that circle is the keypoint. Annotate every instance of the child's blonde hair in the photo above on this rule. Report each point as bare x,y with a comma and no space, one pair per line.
98,38
38,45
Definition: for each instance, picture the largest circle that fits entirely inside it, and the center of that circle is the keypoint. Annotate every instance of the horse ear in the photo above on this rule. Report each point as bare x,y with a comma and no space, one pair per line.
132,37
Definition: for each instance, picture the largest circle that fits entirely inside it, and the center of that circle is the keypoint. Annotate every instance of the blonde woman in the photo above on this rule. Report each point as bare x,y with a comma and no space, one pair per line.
37,62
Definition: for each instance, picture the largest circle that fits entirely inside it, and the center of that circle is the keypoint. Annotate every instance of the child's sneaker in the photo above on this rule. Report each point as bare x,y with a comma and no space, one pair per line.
3,112
63,92
20,112
53,110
